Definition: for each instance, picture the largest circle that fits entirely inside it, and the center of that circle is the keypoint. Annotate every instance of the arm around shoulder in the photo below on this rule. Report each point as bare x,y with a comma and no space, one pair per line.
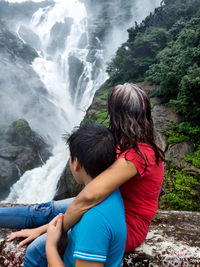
97,190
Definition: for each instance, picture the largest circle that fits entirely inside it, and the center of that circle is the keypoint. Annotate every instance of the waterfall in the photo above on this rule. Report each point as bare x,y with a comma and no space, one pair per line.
71,79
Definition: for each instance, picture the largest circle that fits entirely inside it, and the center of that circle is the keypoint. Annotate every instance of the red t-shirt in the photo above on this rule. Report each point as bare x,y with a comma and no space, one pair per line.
140,194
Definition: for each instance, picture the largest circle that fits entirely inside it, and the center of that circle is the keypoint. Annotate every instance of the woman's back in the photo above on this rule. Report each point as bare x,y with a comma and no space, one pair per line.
140,193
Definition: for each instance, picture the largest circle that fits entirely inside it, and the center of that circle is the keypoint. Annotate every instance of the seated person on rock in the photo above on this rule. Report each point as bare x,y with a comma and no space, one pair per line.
99,238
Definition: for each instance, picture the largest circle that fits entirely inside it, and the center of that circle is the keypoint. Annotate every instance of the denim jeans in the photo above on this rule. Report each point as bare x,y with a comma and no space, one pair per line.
21,217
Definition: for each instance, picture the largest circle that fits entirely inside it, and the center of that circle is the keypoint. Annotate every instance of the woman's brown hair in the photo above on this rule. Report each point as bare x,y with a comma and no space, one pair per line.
130,119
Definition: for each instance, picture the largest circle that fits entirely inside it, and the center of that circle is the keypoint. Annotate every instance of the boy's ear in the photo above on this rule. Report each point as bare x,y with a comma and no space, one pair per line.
77,165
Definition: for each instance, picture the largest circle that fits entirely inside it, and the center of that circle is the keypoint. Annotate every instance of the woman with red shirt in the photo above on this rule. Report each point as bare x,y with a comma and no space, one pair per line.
138,170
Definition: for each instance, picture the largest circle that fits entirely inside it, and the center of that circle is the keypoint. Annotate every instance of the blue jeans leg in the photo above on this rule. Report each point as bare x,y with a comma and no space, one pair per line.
35,254
21,217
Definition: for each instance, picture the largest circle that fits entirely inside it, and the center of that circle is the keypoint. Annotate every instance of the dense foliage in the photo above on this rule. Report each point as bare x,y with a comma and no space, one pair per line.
165,49
180,191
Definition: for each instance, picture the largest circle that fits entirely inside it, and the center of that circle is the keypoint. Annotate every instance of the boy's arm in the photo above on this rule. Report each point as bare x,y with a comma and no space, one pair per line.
53,257
83,263
54,232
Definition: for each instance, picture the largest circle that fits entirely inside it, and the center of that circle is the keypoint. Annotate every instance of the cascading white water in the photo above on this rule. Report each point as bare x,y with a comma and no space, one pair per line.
39,184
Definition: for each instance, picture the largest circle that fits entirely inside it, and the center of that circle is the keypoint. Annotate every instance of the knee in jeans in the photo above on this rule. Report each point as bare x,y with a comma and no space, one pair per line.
42,213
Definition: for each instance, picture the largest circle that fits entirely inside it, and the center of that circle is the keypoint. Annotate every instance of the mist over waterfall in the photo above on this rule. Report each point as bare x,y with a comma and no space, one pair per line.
73,46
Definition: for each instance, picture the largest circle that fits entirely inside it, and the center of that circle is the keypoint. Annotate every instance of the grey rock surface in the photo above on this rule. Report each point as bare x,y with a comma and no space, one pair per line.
21,149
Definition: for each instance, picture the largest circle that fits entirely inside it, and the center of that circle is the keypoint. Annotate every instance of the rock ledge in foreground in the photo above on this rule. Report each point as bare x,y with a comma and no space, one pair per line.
173,240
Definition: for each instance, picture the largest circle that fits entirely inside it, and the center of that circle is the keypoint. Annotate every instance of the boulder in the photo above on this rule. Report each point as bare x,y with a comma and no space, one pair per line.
67,186
173,240
21,149
178,152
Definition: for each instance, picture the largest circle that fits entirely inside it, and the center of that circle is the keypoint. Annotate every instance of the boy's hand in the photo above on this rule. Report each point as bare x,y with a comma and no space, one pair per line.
54,231
28,234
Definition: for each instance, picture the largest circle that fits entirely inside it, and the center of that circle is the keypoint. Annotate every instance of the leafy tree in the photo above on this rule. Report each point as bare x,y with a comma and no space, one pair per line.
188,99
134,58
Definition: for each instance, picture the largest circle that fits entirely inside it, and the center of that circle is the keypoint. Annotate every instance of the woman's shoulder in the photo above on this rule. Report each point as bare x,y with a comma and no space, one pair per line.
142,158
143,147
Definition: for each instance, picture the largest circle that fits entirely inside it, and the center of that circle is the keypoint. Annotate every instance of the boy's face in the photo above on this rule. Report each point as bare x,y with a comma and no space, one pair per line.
75,170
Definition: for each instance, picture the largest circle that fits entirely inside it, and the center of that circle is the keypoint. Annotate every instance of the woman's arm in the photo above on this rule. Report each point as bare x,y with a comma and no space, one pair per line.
98,189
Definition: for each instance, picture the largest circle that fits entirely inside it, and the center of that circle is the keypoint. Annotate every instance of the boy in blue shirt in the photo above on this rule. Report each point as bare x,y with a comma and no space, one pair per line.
98,239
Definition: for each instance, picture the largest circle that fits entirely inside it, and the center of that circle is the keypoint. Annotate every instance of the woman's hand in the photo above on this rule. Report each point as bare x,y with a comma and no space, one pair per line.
28,234
54,231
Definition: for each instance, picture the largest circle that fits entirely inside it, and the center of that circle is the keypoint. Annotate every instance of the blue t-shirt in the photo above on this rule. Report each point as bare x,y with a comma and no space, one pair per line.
100,235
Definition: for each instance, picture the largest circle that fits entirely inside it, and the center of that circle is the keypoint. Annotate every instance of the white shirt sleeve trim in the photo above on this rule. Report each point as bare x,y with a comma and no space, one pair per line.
89,256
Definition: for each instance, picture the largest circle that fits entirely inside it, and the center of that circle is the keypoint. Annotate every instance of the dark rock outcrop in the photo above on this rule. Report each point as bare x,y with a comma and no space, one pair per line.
59,33
67,186
173,240
75,70
21,149
14,46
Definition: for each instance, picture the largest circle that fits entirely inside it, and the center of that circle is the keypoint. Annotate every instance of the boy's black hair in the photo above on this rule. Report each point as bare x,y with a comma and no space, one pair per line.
94,147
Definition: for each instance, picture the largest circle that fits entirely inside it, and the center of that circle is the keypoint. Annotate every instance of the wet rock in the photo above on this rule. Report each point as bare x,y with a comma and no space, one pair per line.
8,176
30,37
14,46
59,33
75,71
67,186
21,149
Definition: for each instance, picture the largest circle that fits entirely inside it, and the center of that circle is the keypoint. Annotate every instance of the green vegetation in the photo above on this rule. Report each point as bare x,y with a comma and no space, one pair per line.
153,104
104,94
194,158
165,49
184,131
101,117
181,191
21,125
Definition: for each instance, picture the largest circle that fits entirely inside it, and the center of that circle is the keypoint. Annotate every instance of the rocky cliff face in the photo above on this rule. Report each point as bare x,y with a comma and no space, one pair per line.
20,86
21,149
